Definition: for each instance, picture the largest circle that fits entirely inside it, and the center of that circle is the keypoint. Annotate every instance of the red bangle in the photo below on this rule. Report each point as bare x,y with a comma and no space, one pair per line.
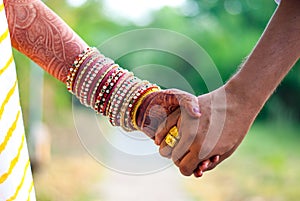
104,101
103,87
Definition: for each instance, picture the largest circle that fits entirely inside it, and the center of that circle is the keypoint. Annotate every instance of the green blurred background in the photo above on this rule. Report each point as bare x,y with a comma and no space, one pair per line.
265,167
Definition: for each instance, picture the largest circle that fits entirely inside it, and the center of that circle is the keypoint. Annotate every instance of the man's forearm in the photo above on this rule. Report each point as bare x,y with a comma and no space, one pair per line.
274,55
41,35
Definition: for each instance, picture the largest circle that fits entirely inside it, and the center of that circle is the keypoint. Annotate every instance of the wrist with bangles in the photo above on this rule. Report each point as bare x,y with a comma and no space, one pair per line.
108,89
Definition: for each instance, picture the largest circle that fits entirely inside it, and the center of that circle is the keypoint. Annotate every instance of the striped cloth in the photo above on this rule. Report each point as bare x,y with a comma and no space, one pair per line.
15,173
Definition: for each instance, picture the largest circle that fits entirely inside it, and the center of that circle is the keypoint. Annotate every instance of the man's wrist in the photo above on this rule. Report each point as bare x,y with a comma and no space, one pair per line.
247,98
274,55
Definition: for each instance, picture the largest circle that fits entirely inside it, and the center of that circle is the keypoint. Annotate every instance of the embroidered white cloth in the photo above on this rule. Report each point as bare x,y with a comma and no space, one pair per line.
15,173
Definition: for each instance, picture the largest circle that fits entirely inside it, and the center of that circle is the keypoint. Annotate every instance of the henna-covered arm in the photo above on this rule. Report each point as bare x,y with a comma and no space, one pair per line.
44,37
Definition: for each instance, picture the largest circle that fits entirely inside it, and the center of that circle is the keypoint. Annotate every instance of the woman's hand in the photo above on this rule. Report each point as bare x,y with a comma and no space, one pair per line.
165,106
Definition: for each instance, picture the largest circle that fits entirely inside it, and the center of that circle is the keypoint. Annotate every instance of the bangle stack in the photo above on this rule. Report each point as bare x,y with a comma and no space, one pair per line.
108,89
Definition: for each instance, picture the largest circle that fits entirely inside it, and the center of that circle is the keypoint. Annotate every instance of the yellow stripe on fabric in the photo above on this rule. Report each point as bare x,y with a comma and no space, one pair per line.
1,7
12,163
9,133
29,191
7,98
4,35
11,59
21,183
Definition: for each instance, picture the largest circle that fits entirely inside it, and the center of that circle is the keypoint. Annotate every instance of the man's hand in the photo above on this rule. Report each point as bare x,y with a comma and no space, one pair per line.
228,112
225,120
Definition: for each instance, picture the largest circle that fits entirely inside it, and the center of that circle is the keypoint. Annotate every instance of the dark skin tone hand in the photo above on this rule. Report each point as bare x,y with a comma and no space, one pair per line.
228,112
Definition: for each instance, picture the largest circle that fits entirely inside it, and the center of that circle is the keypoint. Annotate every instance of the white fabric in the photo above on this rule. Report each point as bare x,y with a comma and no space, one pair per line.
15,173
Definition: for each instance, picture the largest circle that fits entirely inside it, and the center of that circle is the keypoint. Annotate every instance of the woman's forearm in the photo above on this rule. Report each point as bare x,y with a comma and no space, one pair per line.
274,55
40,34
93,78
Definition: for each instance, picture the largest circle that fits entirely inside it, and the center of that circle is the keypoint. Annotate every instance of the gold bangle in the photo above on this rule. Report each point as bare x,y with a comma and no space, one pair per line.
138,104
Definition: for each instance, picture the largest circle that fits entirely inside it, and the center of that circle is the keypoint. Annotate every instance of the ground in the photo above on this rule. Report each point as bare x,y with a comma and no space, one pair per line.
265,168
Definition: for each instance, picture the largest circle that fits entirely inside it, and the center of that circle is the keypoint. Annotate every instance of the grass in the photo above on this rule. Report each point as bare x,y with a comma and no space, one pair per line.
71,174
264,168
68,179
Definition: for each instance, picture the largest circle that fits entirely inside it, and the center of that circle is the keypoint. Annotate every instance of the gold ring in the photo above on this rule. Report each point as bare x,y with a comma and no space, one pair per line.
174,132
170,140
172,137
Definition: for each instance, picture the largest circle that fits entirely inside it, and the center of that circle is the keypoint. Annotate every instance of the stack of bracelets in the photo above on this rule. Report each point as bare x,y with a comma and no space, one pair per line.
108,89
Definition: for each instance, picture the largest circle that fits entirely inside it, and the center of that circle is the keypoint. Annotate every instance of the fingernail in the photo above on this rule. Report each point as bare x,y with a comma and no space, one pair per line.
196,110
216,159
205,165
200,174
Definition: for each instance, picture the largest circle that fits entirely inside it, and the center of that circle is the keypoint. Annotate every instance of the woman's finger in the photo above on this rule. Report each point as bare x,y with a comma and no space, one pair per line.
165,150
165,127
207,165
215,160
170,135
198,173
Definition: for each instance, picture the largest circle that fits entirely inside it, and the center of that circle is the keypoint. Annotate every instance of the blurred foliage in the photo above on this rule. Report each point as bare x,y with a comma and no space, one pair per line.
263,168
226,29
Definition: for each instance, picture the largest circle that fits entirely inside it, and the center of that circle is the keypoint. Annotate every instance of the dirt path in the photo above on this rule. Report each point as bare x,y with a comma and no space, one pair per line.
165,185
122,154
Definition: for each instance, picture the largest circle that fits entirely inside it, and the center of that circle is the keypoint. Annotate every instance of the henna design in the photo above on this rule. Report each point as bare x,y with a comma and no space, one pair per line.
157,106
40,34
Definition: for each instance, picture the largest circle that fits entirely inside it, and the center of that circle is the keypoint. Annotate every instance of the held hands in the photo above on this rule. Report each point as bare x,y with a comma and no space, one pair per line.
165,111
205,139
164,106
